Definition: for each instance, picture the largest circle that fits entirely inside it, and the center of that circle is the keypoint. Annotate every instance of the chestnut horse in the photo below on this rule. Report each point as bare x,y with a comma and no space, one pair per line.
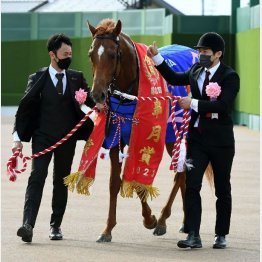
115,67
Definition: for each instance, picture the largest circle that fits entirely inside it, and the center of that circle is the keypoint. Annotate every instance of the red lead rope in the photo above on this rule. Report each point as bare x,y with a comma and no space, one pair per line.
12,162
178,134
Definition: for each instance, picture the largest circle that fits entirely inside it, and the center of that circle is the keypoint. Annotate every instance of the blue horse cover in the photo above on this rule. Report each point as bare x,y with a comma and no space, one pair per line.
124,113
179,58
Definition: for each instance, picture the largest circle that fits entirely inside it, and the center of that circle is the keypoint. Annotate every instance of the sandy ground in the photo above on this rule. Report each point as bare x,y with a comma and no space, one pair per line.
85,217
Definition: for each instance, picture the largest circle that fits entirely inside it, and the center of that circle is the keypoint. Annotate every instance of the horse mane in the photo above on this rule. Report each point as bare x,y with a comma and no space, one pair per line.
105,26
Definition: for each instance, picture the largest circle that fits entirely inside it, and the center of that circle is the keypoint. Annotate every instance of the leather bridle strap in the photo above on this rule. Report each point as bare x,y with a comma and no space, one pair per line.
118,56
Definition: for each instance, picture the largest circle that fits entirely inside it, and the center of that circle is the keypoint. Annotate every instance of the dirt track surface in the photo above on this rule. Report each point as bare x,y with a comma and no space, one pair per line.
85,217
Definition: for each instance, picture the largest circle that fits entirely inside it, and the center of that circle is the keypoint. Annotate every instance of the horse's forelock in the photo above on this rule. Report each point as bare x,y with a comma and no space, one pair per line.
105,26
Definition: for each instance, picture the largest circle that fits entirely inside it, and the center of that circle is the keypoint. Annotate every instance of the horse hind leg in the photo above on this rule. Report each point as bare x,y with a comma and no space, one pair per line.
114,188
166,211
179,182
150,220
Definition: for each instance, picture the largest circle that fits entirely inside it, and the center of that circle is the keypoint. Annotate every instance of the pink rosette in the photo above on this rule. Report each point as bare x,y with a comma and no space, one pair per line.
213,90
80,96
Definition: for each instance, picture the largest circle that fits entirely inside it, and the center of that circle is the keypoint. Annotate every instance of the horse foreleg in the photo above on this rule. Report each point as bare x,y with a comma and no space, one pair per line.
166,211
150,220
114,187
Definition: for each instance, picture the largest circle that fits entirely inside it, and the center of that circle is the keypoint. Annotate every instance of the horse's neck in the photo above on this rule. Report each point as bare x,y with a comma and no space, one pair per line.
127,80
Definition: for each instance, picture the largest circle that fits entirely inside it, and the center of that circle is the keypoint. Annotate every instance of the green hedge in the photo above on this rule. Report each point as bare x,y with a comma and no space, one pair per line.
22,58
248,67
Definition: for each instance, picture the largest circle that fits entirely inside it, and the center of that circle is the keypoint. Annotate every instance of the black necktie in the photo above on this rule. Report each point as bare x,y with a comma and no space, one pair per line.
59,85
206,82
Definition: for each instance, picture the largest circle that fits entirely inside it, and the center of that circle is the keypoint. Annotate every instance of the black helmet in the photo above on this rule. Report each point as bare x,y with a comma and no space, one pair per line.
211,40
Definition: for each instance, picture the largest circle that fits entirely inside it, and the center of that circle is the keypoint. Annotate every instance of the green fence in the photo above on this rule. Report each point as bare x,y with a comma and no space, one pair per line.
22,58
24,46
248,67
247,64
35,26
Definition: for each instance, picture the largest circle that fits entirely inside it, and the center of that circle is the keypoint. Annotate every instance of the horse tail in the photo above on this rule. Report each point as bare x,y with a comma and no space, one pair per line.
210,175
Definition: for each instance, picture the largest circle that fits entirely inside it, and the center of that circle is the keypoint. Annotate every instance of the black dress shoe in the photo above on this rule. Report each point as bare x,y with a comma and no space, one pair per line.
25,232
55,233
191,241
220,242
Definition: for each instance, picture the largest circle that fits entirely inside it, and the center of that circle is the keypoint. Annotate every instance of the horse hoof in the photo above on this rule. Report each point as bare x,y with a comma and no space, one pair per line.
182,229
104,238
159,230
152,225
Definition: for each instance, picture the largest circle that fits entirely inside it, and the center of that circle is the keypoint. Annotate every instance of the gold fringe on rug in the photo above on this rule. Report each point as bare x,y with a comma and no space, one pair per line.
78,181
127,189
71,180
143,191
83,185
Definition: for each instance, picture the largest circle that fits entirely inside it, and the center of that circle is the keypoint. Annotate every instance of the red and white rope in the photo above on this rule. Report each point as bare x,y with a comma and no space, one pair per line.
11,163
178,133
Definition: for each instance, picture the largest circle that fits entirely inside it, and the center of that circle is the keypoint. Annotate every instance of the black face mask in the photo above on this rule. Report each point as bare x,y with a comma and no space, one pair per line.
205,60
64,63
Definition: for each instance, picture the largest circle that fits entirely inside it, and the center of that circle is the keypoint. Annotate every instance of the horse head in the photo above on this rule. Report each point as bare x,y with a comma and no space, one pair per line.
113,59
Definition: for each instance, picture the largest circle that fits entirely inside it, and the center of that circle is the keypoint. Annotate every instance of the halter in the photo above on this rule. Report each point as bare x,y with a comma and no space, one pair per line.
112,85
112,37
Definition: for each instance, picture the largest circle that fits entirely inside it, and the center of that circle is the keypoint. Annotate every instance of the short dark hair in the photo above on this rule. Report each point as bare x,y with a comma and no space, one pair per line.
55,42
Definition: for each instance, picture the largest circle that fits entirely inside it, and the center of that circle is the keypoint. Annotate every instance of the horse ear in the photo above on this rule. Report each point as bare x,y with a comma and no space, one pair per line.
91,28
117,29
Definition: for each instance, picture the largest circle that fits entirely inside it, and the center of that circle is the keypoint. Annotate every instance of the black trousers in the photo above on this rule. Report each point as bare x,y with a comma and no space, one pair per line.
63,158
221,159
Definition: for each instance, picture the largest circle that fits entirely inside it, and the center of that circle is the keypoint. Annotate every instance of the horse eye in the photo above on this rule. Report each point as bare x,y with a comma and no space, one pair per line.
89,53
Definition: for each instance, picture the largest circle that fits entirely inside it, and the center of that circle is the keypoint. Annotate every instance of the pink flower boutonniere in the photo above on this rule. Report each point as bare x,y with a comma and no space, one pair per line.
81,96
213,90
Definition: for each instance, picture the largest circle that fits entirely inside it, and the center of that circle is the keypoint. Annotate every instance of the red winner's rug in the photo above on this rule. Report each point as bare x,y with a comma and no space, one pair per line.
146,143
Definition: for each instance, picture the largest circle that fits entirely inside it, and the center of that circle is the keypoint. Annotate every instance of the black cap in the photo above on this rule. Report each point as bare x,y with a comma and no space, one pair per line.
211,40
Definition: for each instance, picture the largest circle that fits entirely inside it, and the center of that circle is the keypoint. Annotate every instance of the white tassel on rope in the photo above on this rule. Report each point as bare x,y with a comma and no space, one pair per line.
122,156
182,156
189,164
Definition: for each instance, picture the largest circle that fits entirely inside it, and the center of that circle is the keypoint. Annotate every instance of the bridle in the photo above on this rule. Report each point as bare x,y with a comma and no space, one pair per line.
112,84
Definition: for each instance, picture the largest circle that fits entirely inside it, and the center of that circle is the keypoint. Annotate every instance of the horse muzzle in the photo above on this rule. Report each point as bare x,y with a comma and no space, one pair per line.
99,96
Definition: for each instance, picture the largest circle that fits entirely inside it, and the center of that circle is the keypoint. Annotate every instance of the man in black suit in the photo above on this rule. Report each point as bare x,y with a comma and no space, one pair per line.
210,137
47,112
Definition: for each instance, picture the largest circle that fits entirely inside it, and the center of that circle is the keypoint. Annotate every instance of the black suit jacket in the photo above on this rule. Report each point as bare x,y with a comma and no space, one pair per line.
28,109
217,132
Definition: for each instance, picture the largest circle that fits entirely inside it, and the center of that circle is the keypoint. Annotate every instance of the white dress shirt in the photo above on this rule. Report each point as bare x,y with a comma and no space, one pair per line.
53,72
200,82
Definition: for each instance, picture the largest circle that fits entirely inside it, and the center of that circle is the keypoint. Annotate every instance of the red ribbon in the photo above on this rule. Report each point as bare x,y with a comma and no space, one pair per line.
12,170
